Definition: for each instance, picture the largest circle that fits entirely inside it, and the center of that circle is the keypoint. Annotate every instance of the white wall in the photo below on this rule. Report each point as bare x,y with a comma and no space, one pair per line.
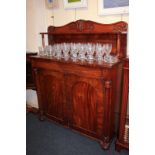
38,18
31,98
35,23
62,16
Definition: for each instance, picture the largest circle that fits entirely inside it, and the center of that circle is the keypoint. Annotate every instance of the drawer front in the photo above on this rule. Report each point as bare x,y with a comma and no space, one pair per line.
73,68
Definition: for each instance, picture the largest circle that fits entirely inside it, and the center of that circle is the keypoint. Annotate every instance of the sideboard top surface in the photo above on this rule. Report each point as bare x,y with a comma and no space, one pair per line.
93,64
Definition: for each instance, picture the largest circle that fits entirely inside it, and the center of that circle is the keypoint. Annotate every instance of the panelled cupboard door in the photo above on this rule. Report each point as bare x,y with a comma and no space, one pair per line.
85,98
52,94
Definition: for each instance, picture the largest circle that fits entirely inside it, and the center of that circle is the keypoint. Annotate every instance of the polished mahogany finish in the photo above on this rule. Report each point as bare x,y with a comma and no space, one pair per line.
79,95
121,143
82,95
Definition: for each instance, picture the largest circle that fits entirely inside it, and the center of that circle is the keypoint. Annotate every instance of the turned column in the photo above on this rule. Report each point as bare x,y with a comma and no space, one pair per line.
107,114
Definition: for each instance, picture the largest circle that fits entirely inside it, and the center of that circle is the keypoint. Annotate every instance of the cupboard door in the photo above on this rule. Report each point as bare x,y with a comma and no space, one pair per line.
52,94
85,98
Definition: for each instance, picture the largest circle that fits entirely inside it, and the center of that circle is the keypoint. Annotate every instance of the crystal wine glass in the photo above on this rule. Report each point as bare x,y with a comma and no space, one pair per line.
82,51
58,51
99,51
74,51
41,50
109,58
65,49
108,48
48,50
90,51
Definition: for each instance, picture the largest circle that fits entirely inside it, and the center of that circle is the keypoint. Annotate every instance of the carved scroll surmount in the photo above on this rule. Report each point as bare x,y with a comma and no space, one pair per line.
82,25
89,26
120,27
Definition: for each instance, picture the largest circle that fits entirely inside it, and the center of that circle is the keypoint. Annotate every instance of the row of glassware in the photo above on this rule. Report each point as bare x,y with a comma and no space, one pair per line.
81,51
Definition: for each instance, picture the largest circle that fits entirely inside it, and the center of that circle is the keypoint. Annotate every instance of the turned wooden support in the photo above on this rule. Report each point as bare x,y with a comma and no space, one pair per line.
108,86
119,45
43,39
120,143
124,100
105,143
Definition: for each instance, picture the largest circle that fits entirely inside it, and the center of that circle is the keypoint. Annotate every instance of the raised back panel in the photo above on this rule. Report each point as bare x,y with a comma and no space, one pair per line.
89,31
86,26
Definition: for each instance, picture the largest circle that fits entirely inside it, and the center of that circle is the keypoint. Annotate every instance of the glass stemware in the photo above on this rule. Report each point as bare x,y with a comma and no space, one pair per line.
48,50
41,50
82,51
58,52
99,51
65,50
74,50
90,51
108,48
109,58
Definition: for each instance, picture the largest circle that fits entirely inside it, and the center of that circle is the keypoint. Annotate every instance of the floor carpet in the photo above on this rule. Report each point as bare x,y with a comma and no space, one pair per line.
46,138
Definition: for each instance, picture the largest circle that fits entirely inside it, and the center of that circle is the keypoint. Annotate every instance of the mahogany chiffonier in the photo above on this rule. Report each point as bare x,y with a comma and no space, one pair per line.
123,135
78,94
